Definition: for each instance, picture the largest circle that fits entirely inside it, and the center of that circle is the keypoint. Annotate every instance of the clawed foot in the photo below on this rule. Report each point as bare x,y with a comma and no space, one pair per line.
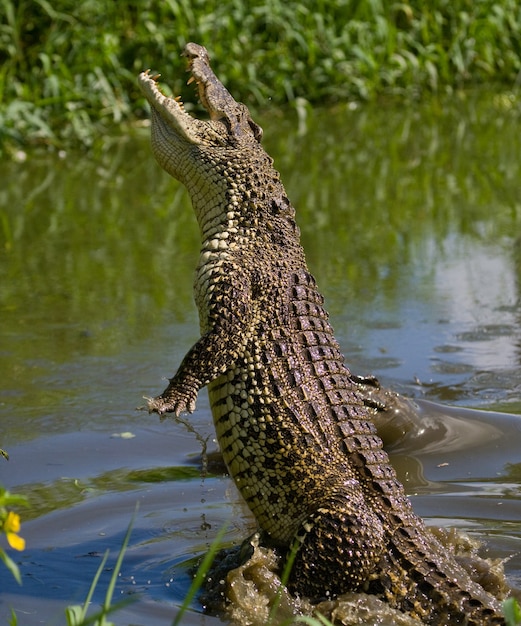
179,397
167,404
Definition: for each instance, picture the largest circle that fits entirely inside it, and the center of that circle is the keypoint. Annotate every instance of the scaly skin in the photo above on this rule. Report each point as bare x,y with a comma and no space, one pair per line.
292,422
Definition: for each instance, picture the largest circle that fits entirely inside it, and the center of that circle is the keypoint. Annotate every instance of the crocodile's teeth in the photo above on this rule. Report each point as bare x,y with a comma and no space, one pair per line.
155,77
190,80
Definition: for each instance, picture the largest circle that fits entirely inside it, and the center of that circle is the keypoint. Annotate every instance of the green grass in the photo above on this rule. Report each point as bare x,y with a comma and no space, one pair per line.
512,612
200,576
77,614
68,70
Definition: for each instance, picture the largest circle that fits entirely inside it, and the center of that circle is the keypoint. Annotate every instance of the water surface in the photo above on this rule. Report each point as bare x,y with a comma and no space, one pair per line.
410,218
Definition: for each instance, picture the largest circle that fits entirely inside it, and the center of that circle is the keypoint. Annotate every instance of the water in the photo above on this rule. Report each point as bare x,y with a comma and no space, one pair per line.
410,218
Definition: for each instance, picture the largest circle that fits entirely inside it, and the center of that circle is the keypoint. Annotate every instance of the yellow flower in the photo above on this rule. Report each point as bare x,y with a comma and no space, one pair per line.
11,528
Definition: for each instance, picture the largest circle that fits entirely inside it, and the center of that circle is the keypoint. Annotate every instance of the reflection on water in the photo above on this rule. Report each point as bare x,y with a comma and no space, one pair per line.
410,219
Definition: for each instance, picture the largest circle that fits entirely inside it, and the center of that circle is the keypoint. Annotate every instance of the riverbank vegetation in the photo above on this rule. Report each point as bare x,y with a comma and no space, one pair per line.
68,70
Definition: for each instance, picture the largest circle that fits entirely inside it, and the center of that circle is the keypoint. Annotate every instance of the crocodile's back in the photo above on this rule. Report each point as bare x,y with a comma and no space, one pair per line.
293,428
288,405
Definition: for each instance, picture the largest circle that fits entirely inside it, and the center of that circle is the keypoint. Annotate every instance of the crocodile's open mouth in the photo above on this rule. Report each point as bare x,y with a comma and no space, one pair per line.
229,120
169,111
217,101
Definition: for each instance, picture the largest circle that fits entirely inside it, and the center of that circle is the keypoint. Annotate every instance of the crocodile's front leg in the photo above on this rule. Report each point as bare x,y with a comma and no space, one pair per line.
226,314
181,394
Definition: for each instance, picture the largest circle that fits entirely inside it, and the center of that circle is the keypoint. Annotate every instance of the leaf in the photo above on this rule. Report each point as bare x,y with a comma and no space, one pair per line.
512,612
117,567
77,614
200,575
12,499
74,615
11,566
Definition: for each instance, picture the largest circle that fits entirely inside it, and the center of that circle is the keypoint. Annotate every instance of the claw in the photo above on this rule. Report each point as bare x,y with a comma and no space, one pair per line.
151,406
147,406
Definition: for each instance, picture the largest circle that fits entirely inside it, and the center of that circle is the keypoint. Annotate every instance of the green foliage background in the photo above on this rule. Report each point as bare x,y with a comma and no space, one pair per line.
68,68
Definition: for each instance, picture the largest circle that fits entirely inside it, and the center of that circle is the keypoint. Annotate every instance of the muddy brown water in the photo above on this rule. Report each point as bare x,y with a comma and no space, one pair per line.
411,222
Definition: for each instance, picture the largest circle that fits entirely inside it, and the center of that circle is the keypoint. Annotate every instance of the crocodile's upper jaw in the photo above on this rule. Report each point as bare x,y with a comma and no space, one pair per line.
230,121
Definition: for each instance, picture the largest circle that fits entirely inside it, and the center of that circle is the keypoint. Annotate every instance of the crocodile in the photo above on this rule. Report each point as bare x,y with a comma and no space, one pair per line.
293,423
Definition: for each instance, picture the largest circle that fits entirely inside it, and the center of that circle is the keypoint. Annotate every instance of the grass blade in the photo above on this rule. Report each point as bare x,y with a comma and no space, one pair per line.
200,575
